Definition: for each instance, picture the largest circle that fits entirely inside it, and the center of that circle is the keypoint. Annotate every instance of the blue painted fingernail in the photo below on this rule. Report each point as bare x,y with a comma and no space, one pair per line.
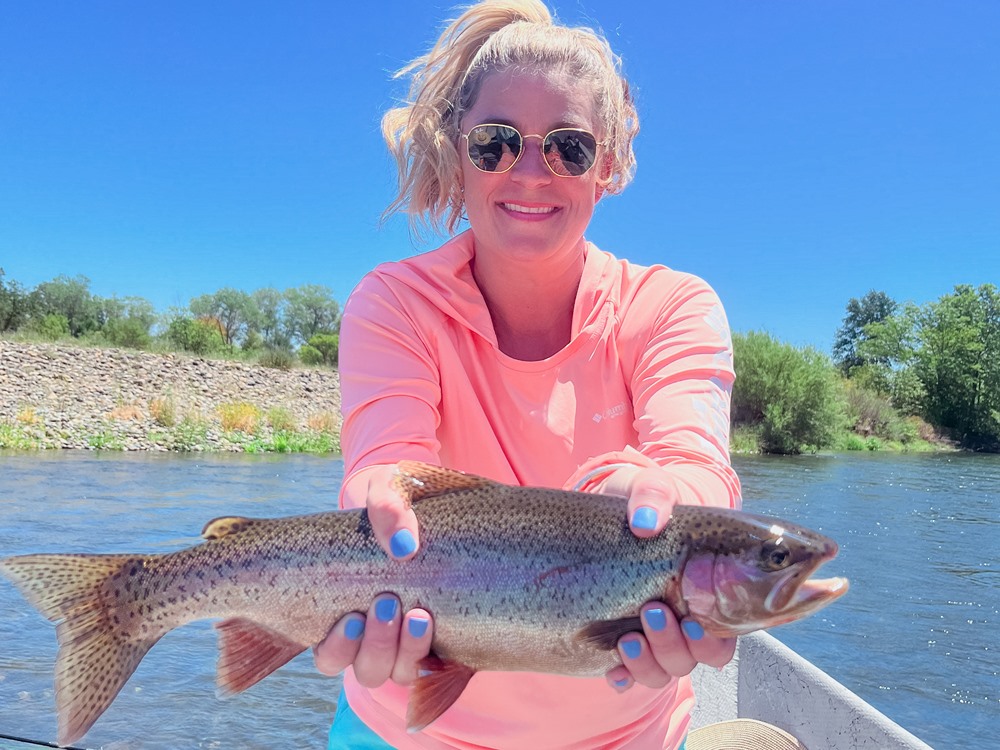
655,618
632,649
402,543
354,629
693,630
385,610
417,626
622,682
644,518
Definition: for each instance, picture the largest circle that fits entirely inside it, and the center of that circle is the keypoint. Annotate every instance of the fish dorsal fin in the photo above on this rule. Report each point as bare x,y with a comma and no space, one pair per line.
604,634
226,525
249,652
417,481
438,686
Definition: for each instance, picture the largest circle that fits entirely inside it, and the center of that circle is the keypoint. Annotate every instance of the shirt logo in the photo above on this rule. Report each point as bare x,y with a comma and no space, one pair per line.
615,411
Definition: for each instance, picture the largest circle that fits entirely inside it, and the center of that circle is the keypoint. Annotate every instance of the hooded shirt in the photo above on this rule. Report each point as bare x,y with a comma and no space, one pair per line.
645,379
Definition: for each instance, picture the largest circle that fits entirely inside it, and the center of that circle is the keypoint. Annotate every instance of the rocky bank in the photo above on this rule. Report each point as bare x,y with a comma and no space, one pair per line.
74,397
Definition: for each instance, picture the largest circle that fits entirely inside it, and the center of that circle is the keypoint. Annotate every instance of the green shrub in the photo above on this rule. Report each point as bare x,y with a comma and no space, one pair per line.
195,336
854,443
129,333
281,419
321,349
53,327
279,359
791,394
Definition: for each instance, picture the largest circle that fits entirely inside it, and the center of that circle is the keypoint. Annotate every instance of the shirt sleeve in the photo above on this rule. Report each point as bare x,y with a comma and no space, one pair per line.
389,381
676,339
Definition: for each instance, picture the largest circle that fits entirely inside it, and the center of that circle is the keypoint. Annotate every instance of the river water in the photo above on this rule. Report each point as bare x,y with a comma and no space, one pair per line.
918,635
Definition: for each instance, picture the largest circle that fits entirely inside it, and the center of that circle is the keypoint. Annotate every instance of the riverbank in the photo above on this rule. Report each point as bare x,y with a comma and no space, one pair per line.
55,396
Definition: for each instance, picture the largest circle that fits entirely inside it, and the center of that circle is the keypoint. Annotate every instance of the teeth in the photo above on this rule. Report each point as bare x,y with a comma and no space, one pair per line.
528,209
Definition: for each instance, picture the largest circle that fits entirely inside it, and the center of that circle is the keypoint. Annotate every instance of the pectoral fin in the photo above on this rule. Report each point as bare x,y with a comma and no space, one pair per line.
249,652
604,634
439,685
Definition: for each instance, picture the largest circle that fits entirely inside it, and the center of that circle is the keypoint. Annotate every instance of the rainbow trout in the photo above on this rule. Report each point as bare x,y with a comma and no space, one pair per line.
558,573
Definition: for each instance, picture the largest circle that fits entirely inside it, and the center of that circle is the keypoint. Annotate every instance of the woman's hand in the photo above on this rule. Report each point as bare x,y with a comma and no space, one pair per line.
666,648
384,643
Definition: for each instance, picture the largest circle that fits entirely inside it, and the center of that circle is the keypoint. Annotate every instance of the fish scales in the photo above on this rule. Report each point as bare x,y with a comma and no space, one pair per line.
518,579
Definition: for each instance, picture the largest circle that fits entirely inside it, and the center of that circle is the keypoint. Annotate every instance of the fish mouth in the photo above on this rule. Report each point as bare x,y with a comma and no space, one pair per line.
796,597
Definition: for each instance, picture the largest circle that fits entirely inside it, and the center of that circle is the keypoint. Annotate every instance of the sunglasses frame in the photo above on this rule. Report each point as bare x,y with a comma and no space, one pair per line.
520,153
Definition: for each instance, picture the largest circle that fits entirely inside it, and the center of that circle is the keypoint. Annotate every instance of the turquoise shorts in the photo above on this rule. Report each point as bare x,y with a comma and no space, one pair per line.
350,733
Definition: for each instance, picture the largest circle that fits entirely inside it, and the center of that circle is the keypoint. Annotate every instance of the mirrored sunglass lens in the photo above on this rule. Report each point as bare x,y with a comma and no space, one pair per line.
570,152
493,148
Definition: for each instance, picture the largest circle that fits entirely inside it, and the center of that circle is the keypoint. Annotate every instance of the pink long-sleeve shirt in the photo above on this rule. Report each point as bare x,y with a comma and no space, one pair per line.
645,379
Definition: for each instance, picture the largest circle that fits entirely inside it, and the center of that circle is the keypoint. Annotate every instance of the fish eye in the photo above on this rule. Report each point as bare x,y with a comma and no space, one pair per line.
775,556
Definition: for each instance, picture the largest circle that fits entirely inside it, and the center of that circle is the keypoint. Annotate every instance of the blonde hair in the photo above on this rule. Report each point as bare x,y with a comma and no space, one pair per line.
492,36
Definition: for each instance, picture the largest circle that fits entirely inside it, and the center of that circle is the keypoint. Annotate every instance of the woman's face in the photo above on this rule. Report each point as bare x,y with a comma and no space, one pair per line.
528,213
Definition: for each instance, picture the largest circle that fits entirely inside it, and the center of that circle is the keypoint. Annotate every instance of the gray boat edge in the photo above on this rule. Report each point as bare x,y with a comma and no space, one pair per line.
769,682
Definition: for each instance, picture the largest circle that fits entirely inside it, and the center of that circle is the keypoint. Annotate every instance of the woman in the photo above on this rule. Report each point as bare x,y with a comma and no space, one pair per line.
520,352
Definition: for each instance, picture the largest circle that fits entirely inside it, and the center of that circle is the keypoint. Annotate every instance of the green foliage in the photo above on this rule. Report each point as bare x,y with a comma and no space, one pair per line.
105,440
70,298
194,336
310,309
52,327
322,349
790,394
958,364
15,305
17,437
874,307
130,333
281,419
232,308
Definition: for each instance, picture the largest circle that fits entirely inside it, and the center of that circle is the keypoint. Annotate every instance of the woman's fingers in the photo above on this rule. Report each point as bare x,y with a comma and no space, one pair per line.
705,648
415,638
337,651
392,520
666,648
651,499
376,656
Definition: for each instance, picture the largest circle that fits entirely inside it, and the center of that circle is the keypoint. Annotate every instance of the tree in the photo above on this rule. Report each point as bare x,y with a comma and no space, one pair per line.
15,307
70,298
233,309
270,304
791,395
194,336
310,309
874,307
958,362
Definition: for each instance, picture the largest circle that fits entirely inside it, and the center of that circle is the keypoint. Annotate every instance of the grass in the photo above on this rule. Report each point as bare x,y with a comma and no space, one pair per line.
240,416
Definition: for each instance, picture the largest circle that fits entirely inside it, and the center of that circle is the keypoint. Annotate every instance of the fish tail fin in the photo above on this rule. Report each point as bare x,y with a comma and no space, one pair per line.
97,651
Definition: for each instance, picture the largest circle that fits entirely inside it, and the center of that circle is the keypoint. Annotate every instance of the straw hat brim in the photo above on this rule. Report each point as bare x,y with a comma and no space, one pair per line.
741,734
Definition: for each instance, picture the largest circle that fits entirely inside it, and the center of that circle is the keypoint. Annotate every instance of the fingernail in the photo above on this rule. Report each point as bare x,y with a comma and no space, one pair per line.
385,610
417,626
354,629
622,682
632,649
402,543
644,518
693,630
655,618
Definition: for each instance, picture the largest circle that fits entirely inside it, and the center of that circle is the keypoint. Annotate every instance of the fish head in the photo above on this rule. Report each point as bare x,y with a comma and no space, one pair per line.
745,572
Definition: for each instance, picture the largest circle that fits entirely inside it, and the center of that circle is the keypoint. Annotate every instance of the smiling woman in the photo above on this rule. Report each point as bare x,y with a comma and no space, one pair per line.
521,352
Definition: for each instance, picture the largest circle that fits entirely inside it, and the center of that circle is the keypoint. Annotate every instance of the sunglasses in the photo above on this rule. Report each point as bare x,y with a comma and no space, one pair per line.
568,152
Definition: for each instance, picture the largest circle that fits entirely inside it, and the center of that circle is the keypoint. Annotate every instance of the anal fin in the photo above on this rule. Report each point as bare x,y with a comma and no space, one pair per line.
604,634
249,652
439,685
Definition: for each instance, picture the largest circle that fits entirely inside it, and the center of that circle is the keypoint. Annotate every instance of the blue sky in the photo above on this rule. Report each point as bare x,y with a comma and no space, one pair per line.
794,154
